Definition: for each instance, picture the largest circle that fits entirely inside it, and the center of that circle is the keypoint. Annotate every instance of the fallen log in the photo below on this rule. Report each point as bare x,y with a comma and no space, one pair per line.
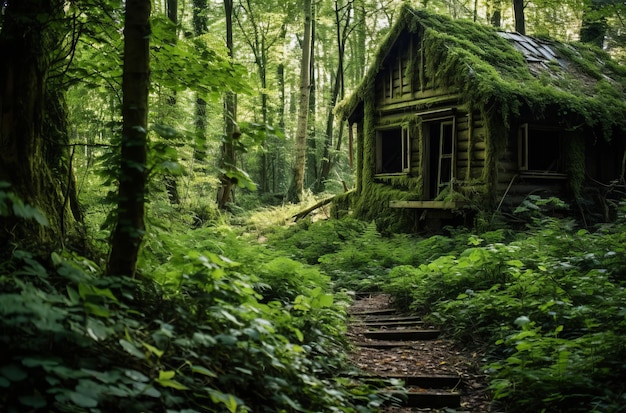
315,206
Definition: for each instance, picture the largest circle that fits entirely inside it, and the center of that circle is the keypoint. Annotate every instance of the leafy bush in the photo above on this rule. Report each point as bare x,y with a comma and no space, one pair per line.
76,341
547,308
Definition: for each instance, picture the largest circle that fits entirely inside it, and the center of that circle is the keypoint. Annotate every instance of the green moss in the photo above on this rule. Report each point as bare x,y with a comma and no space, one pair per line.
576,164
489,71
373,205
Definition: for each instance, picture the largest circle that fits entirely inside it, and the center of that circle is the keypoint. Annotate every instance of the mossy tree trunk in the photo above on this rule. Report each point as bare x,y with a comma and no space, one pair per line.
130,227
34,147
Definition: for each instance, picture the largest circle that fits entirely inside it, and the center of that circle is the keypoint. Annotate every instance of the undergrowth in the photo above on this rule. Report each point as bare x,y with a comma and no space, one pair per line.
240,321
214,324
545,306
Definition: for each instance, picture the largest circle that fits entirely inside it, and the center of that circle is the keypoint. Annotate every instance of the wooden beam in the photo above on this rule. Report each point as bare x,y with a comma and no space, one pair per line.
424,204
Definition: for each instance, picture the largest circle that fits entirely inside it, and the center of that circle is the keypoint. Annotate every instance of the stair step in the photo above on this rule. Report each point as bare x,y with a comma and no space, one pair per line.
425,398
385,311
392,335
392,324
359,295
392,318
382,345
425,381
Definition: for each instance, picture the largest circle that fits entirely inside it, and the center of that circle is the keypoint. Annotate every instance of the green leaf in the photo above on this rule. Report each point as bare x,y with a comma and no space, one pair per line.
83,400
132,349
13,372
202,370
227,400
172,384
152,349
166,375
34,401
97,330
136,376
325,300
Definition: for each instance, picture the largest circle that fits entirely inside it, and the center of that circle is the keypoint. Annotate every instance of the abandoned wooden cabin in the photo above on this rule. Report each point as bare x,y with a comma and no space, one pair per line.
455,117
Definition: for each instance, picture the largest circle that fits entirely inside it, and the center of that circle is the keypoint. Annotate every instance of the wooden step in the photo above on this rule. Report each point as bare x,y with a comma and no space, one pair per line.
402,335
360,295
391,324
385,311
424,398
392,318
383,345
425,381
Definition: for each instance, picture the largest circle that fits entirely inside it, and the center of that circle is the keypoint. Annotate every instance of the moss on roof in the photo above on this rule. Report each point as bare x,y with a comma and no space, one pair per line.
583,85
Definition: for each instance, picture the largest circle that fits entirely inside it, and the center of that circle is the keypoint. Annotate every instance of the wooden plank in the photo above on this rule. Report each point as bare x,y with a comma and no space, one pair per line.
425,381
374,312
394,324
424,204
383,345
427,399
402,335
393,318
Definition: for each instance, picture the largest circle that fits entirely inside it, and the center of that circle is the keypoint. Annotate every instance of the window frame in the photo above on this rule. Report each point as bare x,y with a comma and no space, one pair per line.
525,155
405,148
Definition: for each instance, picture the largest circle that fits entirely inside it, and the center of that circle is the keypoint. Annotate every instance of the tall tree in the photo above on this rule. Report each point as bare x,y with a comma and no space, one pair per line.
342,23
229,159
34,157
296,189
594,26
259,32
130,227
520,19
171,185
200,27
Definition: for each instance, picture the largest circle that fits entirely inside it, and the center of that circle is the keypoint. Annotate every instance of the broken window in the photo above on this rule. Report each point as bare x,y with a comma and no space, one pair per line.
540,150
393,150
439,142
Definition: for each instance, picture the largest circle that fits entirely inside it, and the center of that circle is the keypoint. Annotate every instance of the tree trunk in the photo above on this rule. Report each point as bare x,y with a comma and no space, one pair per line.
311,171
520,19
229,158
296,189
200,27
171,184
130,227
34,136
594,26
338,90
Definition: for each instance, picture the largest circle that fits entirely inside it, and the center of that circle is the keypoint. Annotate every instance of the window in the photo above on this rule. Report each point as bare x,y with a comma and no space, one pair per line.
540,150
439,146
393,150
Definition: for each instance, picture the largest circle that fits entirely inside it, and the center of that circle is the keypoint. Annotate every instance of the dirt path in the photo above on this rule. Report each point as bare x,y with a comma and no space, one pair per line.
424,358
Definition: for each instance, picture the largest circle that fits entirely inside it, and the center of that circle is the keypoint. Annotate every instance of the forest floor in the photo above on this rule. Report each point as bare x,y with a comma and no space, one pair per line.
424,357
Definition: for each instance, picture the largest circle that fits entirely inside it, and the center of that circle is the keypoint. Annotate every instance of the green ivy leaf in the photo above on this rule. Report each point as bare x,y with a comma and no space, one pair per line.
83,400
13,372
132,349
34,401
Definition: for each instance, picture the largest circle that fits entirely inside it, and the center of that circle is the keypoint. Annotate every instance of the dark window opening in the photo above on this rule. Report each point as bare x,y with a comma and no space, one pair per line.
392,151
540,150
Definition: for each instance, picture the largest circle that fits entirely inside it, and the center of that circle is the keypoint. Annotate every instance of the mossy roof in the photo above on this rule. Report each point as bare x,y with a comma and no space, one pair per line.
505,72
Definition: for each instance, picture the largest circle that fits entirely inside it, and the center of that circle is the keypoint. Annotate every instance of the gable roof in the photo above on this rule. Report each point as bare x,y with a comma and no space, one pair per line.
503,71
